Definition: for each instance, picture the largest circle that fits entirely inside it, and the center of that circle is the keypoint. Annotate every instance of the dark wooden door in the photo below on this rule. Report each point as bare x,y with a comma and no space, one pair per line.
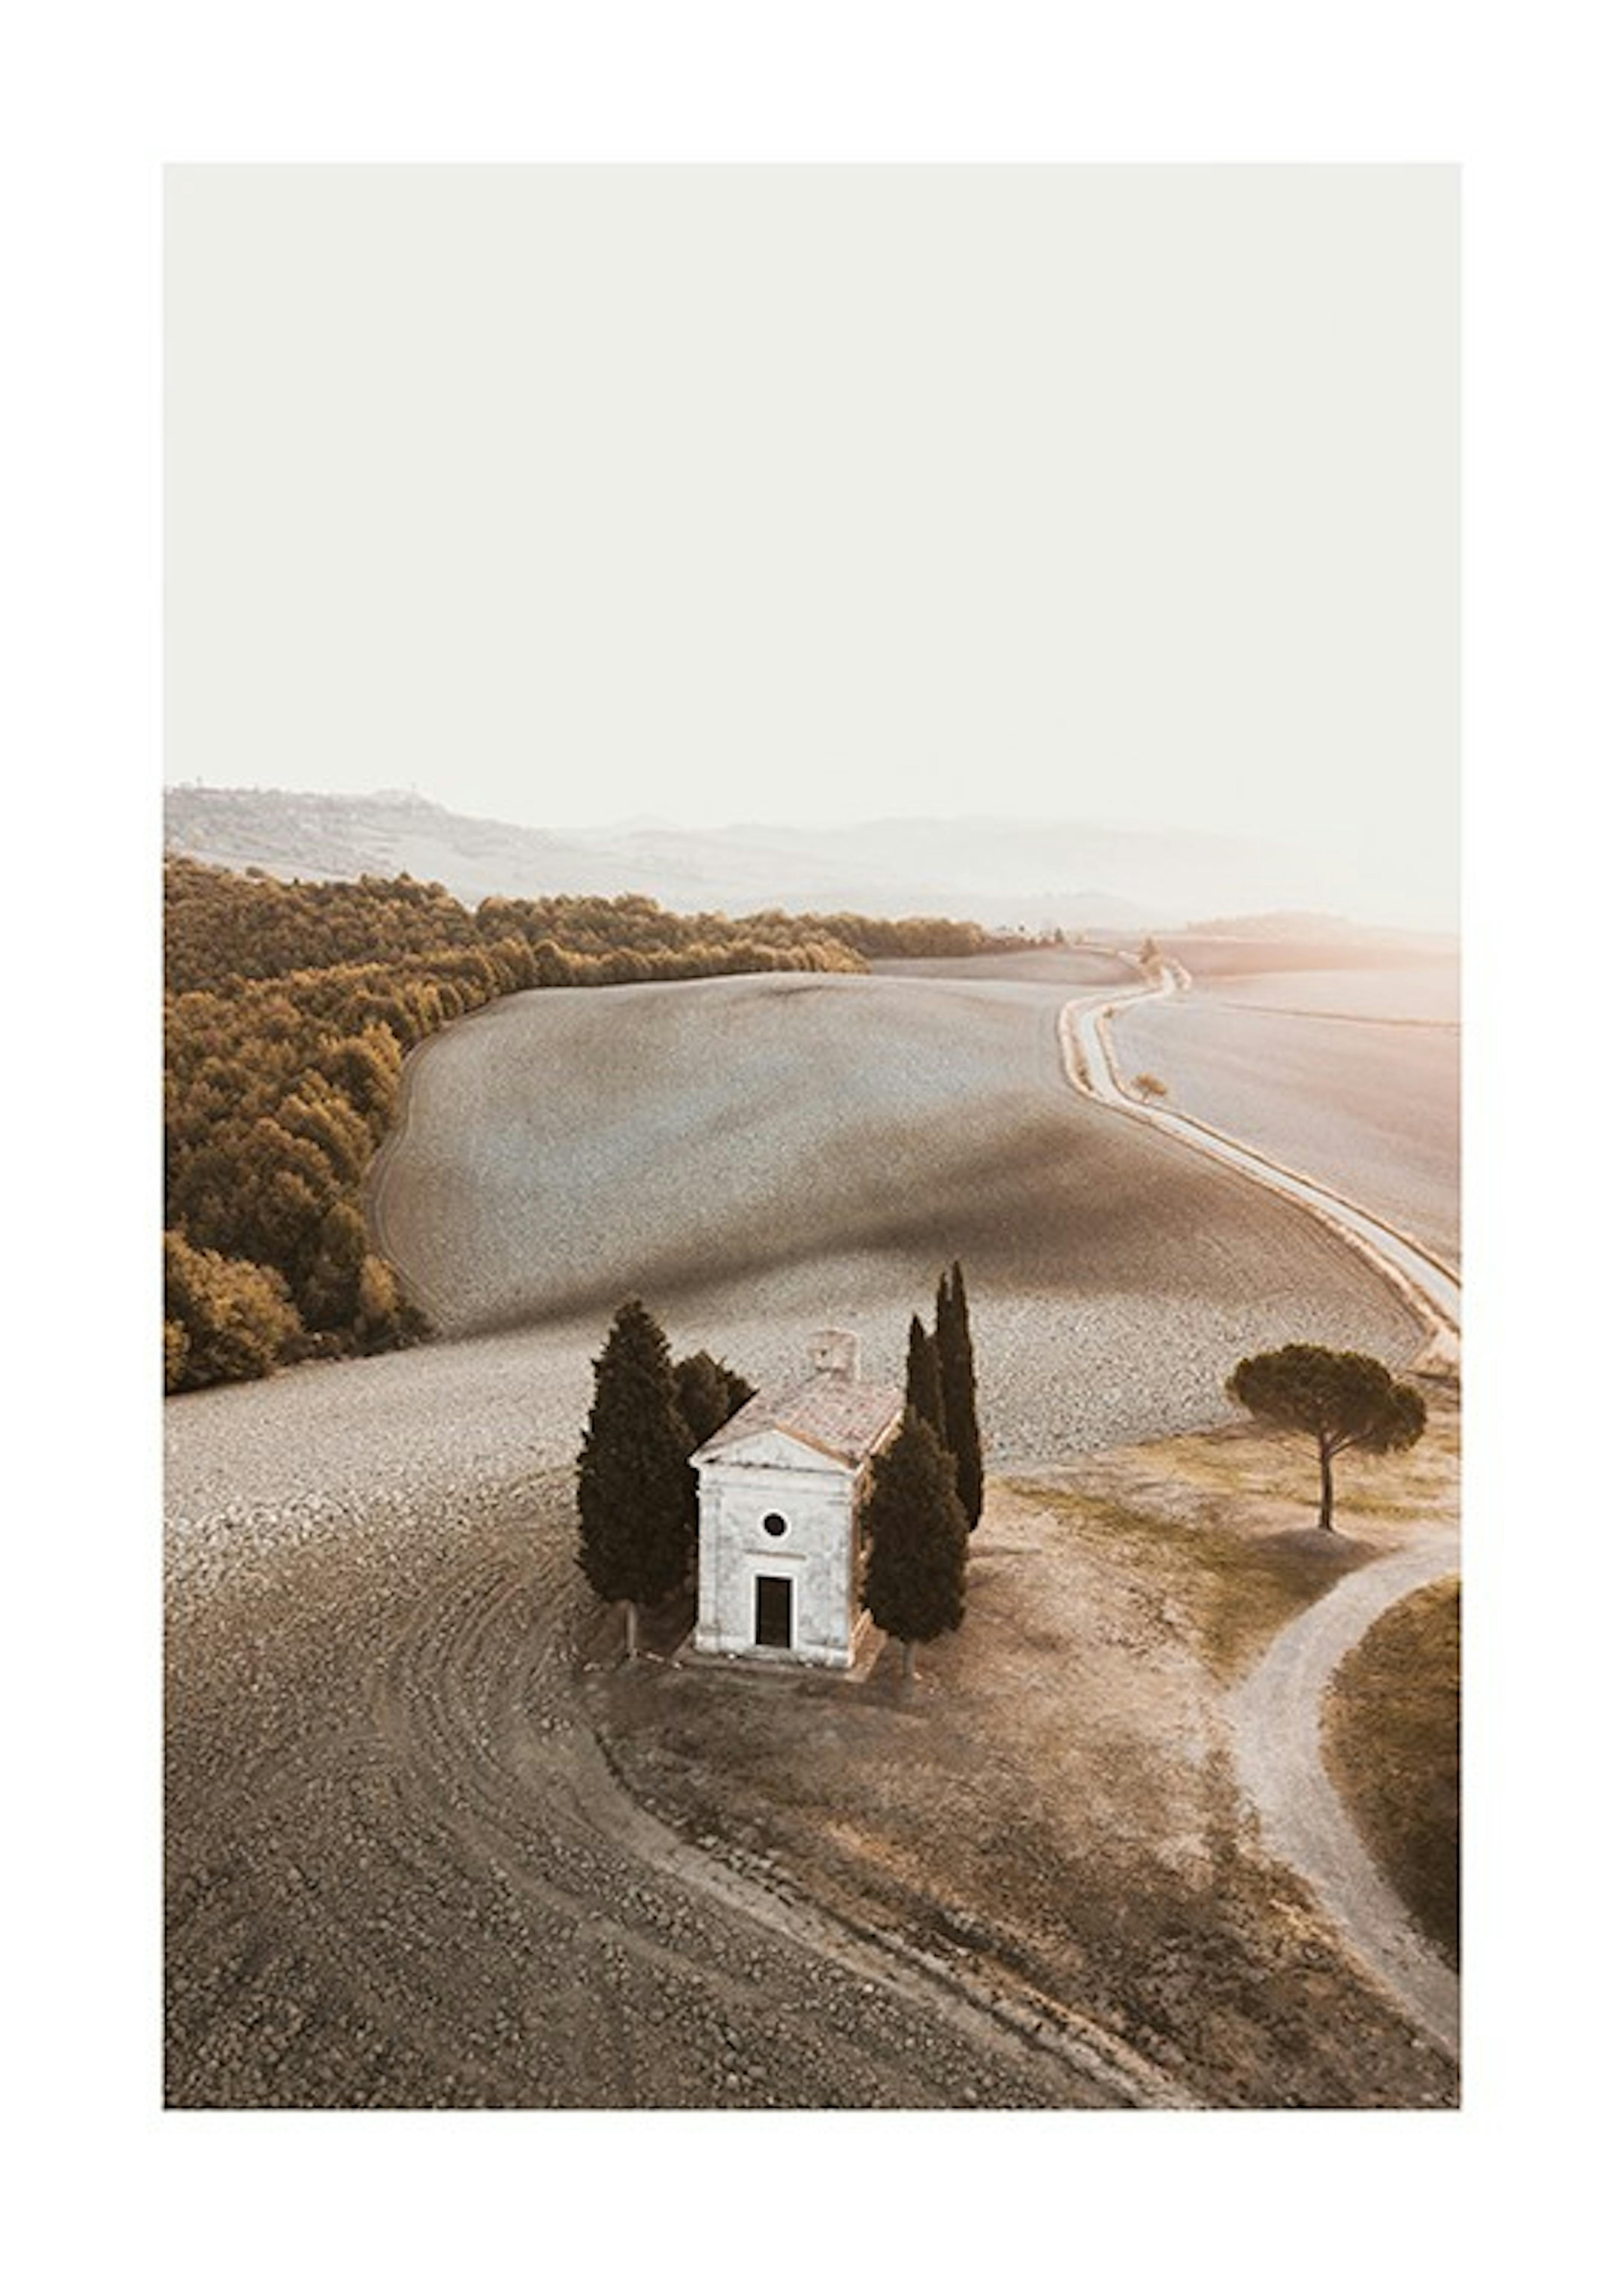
772,1613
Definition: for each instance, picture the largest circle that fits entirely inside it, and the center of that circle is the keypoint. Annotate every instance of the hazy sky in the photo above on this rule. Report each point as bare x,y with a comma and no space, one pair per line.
815,494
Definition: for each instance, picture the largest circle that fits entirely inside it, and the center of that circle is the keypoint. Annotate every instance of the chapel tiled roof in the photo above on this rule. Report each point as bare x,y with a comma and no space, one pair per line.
845,1418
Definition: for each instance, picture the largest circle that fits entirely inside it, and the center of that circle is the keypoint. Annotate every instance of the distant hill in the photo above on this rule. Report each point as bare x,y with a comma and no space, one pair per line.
1307,927
1031,873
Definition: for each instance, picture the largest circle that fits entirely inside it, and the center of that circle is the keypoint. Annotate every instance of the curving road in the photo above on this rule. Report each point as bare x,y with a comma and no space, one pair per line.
1276,1711
1431,1289
1275,1716
399,1872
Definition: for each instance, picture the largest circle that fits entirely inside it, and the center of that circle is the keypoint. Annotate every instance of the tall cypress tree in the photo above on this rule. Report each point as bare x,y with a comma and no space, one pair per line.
924,1394
633,1490
957,1358
914,1583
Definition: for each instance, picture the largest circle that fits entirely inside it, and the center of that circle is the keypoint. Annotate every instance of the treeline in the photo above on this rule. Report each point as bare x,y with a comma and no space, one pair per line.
220,925
290,1010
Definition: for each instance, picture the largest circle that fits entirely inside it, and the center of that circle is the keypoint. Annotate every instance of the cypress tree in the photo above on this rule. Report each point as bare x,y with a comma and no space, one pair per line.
957,1357
634,1493
710,1394
914,1583
924,1394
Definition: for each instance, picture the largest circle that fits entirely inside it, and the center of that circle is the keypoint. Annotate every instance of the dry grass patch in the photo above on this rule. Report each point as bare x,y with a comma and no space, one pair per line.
1392,1744
1224,1522
1057,1809
1229,1589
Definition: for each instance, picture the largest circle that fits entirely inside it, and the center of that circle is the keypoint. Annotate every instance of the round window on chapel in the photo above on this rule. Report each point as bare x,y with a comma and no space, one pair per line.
774,1525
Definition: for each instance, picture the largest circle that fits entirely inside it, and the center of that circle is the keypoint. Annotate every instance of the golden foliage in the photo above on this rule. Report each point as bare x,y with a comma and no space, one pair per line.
289,1012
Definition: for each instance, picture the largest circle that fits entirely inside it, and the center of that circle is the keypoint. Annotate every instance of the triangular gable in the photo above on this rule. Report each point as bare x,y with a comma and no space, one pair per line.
771,1448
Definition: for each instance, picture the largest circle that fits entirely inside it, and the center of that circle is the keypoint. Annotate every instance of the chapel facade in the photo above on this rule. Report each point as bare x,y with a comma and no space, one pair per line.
781,1489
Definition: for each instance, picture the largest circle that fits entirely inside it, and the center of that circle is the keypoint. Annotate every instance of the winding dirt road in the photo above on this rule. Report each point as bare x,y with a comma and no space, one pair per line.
1276,1711
400,1871
1431,1287
1275,1719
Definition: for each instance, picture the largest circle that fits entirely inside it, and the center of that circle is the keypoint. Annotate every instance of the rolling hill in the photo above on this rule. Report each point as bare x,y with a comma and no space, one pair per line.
1034,874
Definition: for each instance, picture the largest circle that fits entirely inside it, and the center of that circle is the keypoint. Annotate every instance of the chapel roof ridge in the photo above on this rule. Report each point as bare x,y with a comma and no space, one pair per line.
831,1411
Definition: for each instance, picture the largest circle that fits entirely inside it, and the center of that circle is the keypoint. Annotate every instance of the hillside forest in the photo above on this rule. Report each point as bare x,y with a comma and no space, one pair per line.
289,1011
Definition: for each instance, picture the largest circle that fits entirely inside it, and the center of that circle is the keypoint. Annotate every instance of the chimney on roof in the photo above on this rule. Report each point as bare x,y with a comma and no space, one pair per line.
833,1351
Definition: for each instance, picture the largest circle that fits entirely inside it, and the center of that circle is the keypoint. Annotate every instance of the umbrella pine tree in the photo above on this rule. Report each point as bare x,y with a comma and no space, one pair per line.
1343,1399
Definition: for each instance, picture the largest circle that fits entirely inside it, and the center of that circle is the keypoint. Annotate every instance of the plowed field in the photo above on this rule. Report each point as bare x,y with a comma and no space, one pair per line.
757,1157
399,1872
1365,1102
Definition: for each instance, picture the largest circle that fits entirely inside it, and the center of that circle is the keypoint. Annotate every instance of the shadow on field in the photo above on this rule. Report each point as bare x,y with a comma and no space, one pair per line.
1032,1211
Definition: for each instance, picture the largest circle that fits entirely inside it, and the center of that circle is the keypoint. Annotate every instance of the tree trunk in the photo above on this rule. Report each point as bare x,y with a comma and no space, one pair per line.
1325,1489
631,1630
909,1649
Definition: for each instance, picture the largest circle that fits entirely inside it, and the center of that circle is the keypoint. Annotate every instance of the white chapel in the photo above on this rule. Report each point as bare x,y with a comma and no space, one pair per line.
782,1487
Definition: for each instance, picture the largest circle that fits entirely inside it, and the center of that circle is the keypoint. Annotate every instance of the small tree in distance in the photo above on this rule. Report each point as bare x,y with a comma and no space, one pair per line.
1342,1399
913,1583
634,1492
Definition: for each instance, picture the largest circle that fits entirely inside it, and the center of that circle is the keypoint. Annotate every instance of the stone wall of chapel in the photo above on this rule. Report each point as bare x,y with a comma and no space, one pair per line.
815,1552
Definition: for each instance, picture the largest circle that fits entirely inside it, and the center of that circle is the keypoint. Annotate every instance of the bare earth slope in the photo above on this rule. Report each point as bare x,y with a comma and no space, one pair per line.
398,1873
759,1156
1364,1096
